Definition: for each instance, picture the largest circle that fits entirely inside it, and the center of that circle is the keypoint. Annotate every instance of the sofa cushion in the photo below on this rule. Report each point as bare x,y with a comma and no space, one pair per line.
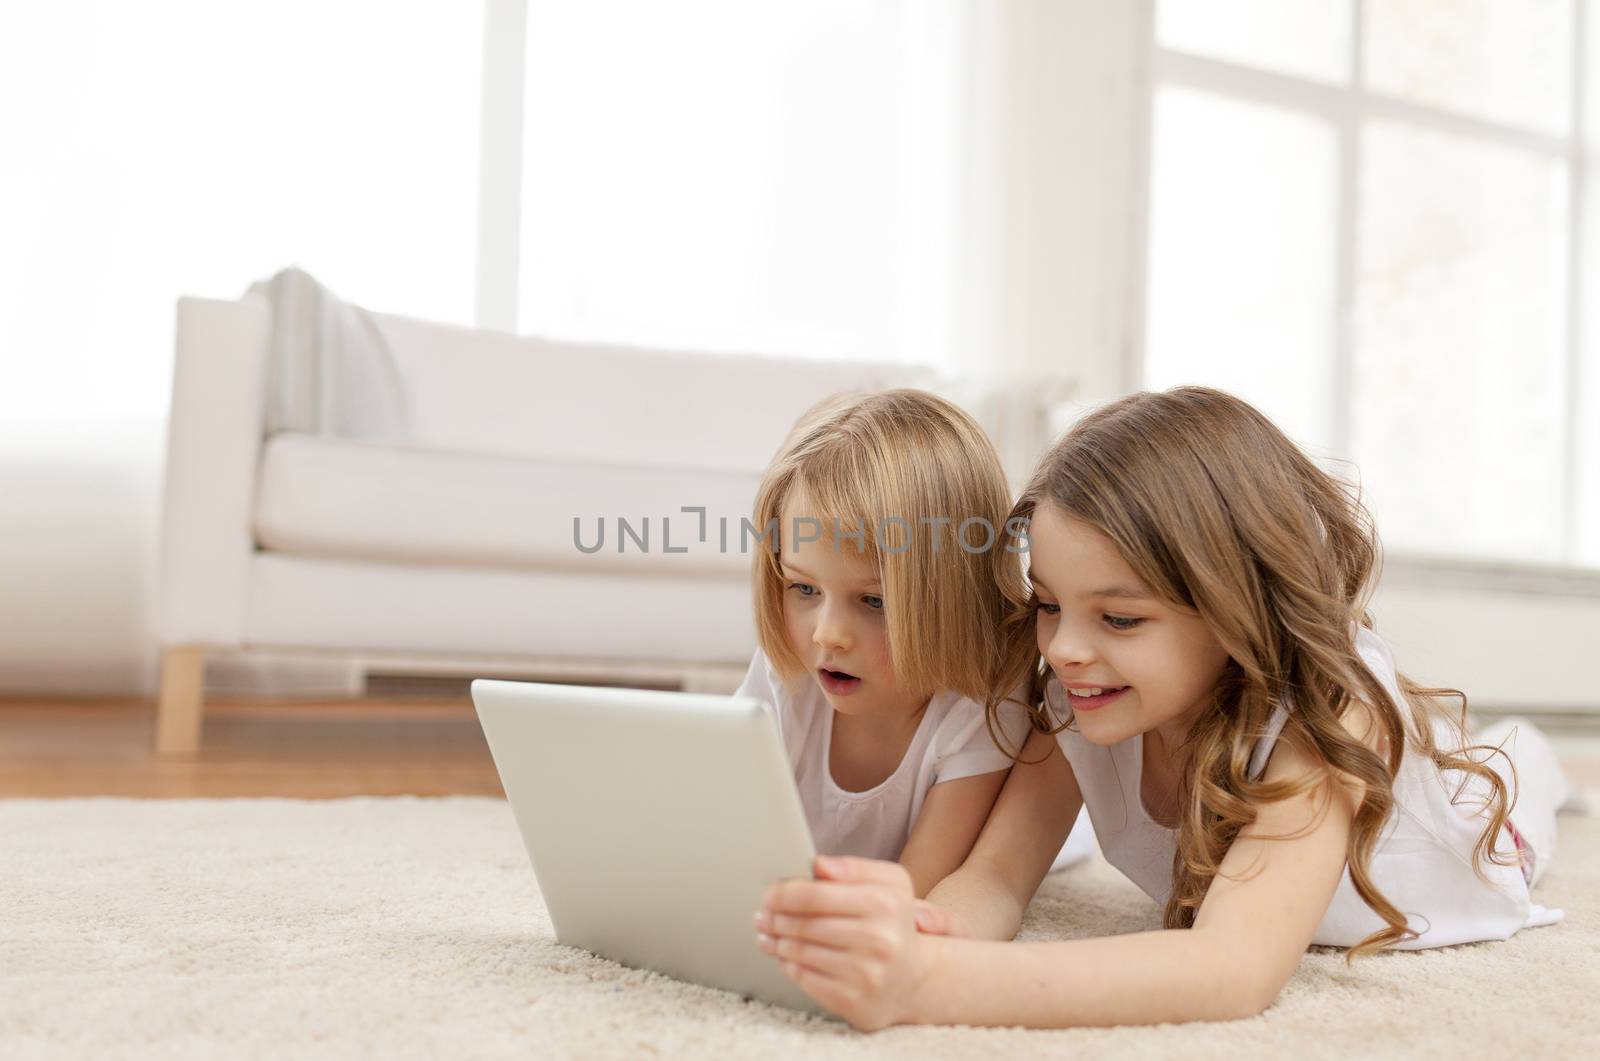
337,498
487,392
431,611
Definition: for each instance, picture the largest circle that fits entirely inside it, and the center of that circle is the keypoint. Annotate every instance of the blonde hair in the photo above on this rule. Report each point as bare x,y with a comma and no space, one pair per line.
1224,517
892,465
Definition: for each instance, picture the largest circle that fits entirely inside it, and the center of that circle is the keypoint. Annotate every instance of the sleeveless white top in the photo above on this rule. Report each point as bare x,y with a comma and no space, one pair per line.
1423,860
952,741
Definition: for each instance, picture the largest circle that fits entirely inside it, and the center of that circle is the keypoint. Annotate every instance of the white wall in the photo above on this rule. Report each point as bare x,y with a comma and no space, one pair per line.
80,507
1508,649
79,514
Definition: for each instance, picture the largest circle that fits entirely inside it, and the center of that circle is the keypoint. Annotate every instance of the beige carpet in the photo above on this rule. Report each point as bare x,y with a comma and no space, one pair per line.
403,928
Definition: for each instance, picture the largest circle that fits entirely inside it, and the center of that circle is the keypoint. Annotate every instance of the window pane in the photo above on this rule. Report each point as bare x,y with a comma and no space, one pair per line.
1242,252
192,147
1309,38
1504,60
1459,362
1587,500
723,174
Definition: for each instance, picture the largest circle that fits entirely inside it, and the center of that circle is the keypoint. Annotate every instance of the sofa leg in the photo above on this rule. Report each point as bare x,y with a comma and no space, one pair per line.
180,709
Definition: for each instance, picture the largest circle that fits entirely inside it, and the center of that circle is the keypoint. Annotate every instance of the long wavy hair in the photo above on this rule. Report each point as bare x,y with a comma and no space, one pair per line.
1224,517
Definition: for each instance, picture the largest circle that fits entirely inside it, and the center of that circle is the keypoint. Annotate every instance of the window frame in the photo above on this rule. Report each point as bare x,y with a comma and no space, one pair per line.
1347,108
500,146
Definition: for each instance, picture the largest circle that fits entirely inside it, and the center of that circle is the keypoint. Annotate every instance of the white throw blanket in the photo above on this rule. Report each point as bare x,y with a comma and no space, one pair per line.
331,371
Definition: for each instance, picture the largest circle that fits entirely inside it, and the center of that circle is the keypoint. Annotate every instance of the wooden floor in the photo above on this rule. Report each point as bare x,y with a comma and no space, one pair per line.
322,750
309,750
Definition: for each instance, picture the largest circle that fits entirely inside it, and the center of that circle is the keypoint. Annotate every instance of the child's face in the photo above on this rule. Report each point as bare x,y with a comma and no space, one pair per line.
833,610
1098,626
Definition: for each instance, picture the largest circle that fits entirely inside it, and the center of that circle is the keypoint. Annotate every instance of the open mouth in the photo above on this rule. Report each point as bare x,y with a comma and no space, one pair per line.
838,682
1091,698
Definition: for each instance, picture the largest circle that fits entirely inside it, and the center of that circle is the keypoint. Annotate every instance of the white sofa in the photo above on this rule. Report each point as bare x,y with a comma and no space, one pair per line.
452,542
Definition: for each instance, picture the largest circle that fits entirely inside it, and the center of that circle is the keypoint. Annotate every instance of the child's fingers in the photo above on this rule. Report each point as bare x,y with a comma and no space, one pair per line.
832,994
830,961
844,932
852,870
805,898
839,994
930,918
937,921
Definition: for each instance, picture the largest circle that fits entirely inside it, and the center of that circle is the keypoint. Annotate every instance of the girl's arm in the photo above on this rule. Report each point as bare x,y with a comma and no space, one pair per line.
952,815
987,895
851,941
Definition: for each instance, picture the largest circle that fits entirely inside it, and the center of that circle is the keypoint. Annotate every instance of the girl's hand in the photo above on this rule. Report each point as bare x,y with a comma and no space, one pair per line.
935,920
849,938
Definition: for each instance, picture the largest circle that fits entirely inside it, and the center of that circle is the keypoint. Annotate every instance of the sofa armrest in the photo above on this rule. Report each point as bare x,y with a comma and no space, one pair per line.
214,440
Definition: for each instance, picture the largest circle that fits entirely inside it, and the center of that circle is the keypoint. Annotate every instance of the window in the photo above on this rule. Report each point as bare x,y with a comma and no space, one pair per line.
750,175
1365,218
188,147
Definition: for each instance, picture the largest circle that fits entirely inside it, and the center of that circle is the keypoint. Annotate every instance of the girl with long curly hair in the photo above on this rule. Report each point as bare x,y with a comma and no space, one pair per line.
1204,677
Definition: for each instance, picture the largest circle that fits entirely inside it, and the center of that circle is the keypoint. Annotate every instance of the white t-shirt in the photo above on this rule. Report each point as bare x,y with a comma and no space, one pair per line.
1423,860
952,741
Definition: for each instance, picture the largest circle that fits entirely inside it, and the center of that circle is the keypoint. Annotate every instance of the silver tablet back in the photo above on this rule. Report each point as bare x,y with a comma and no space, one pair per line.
654,821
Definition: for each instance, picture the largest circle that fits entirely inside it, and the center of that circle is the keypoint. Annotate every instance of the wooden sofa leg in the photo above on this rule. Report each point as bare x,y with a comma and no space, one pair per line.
179,711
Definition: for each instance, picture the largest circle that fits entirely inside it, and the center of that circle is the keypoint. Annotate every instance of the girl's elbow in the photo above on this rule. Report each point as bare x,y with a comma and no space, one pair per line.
1249,985
1238,999
1255,992
1234,1000
1250,1001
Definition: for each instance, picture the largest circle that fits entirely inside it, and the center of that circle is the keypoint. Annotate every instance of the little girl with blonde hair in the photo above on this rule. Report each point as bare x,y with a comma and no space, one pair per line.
878,596
1204,678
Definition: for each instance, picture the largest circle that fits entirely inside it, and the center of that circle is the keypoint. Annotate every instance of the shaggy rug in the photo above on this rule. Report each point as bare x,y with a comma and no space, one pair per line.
406,927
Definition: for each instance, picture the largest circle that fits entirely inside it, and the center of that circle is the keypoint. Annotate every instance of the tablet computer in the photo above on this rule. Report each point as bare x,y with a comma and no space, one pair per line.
654,821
